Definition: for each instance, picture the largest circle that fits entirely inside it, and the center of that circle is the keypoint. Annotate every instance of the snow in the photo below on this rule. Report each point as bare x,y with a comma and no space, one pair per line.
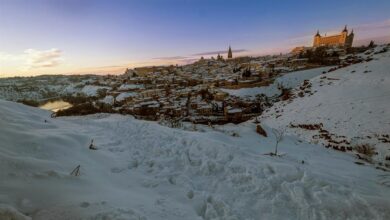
148,103
289,80
143,170
234,110
351,101
125,95
70,89
108,100
39,88
10,213
90,90
131,87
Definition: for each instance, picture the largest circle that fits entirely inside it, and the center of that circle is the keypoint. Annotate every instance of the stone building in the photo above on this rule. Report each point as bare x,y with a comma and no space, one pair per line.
298,50
340,40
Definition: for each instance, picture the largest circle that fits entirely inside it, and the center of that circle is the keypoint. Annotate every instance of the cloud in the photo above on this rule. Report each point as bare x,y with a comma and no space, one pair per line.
33,59
182,60
171,58
8,57
373,26
43,58
217,52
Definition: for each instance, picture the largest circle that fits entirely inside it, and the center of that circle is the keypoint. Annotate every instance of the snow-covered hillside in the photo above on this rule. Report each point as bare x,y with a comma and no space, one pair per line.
289,80
48,87
142,170
351,104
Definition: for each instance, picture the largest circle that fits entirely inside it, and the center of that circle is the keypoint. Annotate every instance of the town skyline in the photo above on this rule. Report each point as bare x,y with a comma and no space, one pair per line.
69,37
194,109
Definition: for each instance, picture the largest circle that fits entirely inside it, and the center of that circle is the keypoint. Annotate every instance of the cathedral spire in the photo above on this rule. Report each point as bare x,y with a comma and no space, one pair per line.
318,33
345,29
230,54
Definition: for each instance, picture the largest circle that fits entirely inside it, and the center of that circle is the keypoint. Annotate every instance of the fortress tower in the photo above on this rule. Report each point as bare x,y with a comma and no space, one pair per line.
340,40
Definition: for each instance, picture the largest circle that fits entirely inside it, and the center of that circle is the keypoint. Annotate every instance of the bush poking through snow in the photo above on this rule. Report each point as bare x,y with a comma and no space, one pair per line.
286,93
92,146
260,130
365,149
235,134
172,122
76,171
307,126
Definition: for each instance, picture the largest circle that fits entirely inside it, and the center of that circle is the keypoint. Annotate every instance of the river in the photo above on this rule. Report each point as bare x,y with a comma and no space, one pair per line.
55,105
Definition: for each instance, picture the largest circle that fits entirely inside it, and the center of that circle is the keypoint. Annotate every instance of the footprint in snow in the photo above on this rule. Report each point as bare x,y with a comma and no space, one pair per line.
84,204
117,170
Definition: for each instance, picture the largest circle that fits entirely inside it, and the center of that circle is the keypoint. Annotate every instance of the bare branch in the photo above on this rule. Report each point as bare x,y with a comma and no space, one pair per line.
279,134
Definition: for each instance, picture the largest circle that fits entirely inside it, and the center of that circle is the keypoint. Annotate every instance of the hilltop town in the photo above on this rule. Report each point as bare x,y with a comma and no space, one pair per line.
221,138
209,91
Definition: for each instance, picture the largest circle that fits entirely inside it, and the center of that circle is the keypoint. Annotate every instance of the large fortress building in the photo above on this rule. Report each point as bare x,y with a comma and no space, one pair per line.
340,40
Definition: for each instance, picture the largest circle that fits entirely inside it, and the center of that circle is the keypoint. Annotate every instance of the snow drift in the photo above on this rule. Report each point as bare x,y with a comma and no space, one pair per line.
352,102
142,170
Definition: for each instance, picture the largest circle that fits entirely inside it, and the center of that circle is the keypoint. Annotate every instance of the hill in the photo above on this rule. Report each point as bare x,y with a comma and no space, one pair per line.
142,170
345,108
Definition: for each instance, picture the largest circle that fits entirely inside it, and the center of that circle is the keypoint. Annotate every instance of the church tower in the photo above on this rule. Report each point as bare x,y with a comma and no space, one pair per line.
344,35
317,39
349,41
230,54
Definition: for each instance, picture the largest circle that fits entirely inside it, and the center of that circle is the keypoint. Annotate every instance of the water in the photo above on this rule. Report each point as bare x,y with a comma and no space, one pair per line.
55,105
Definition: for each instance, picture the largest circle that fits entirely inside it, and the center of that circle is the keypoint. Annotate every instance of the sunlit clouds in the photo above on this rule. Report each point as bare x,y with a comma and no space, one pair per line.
45,58
31,59
106,37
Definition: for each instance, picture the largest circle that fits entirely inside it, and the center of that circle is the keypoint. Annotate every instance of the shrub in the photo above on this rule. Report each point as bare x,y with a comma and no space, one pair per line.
286,94
247,73
101,93
79,99
29,102
79,109
261,131
320,56
85,109
206,94
365,149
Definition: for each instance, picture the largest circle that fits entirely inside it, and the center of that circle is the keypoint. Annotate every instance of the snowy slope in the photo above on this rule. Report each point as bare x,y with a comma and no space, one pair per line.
353,102
142,170
289,80
90,90
124,95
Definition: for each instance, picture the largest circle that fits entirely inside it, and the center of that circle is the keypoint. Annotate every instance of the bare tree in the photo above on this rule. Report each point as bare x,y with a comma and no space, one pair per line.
279,134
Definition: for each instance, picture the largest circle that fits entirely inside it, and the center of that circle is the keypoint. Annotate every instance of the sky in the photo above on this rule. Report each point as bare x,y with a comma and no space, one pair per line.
96,36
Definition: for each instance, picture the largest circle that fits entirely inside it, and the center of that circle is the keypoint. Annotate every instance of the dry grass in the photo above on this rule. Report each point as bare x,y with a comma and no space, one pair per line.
261,131
365,149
